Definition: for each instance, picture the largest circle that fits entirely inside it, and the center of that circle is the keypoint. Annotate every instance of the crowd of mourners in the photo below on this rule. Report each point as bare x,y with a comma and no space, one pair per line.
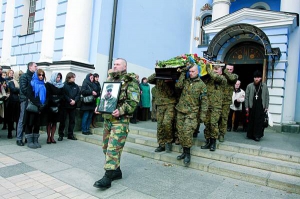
29,101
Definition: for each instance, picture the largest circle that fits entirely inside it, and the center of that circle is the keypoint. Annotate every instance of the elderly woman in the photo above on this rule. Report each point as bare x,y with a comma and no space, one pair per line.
13,105
36,95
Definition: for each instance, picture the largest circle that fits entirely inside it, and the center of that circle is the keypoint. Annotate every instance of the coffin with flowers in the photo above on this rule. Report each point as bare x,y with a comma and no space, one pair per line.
168,69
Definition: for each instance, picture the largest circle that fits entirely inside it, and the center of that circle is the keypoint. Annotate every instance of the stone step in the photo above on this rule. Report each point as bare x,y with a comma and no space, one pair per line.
283,155
229,169
254,161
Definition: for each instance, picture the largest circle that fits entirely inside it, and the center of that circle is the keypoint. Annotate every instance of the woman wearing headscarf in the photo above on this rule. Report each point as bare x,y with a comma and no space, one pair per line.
88,89
13,106
36,95
55,94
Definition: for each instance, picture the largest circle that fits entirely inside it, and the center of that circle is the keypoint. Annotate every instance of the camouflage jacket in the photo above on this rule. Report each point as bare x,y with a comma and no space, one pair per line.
215,86
165,92
229,87
129,96
193,97
154,94
107,104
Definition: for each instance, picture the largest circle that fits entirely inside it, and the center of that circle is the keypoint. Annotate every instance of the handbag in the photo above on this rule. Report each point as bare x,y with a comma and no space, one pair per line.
237,104
266,120
88,99
32,108
54,109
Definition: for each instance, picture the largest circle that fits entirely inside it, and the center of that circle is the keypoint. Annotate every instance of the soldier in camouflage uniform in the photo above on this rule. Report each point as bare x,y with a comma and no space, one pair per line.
108,103
116,125
165,104
229,87
192,100
153,112
215,86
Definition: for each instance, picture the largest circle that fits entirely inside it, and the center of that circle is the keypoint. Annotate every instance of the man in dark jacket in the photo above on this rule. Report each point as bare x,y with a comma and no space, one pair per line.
71,98
24,82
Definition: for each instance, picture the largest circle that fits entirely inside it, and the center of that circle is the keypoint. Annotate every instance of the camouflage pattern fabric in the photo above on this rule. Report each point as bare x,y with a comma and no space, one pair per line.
192,102
153,112
211,124
186,125
165,90
116,129
227,97
215,87
165,100
107,105
114,137
165,118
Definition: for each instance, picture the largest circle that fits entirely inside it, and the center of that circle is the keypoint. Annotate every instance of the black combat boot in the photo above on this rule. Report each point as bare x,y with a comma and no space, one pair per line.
213,144
105,181
160,149
182,156
207,145
187,158
168,147
117,174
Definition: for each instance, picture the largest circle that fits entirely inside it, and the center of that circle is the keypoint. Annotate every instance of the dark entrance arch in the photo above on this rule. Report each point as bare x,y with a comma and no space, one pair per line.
246,57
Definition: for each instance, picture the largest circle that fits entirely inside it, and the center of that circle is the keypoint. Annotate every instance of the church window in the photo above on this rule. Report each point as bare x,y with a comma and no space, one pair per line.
205,37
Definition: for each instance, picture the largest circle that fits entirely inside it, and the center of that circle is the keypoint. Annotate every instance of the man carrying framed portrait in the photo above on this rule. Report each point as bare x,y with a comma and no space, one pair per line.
125,88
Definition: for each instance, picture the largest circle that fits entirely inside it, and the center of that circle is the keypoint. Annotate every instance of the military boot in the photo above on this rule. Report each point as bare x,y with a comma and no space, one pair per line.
213,144
207,145
160,148
117,174
187,158
168,147
182,156
105,181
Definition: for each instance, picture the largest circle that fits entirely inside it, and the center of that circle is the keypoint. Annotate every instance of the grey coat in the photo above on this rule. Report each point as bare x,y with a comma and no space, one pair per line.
250,90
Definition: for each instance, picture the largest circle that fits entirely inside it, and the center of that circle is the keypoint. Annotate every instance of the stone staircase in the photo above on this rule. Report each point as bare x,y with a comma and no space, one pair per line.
260,165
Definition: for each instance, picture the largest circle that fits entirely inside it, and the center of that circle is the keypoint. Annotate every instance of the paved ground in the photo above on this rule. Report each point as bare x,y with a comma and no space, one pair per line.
69,169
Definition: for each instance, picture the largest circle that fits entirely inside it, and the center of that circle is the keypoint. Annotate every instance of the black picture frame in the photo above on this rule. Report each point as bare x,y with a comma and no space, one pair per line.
108,105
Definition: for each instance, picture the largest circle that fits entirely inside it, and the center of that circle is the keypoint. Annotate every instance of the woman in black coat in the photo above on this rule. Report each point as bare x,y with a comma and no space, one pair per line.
88,89
55,94
13,105
36,94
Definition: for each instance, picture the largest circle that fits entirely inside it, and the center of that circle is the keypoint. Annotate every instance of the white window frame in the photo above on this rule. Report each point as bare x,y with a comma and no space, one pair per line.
200,19
27,18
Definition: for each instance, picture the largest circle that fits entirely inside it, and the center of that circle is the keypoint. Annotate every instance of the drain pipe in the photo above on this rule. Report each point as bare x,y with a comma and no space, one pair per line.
112,35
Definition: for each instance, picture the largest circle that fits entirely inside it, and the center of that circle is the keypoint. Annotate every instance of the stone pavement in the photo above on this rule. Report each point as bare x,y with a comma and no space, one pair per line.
68,169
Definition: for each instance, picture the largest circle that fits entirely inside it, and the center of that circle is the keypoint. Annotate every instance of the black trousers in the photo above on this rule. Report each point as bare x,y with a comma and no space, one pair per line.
65,113
236,119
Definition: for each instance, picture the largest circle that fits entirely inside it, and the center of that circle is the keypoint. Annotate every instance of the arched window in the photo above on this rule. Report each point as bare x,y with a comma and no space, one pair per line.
204,37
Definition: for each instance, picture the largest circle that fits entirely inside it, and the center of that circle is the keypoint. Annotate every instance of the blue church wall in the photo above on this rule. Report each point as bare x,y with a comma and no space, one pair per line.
237,5
143,37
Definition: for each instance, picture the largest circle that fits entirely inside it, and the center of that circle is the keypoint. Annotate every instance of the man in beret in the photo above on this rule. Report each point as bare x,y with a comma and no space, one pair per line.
256,104
108,103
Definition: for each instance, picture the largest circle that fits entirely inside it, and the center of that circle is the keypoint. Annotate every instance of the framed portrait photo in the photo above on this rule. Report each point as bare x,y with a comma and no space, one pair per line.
109,97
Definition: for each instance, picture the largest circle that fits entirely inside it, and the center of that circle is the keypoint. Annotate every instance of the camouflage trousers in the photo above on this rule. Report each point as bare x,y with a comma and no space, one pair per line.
211,124
224,119
165,117
186,125
153,111
114,137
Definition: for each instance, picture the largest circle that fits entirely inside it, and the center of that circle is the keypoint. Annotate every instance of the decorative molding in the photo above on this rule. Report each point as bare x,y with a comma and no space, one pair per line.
67,62
263,18
206,7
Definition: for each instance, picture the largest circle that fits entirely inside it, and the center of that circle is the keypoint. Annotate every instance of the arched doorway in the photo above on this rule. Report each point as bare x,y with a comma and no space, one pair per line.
246,57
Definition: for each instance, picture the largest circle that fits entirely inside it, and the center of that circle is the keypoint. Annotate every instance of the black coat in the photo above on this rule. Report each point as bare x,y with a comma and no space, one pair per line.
24,82
56,96
87,89
14,92
71,91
